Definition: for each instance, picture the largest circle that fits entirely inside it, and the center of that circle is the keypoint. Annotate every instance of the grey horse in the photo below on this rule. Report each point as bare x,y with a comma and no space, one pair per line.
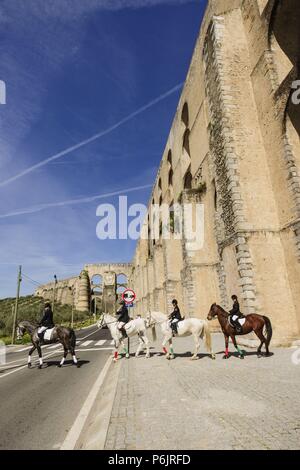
65,336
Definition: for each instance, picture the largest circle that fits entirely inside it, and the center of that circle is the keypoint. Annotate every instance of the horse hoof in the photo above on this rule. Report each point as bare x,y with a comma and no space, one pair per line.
213,356
241,357
127,356
29,366
59,365
40,367
225,357
147,356
78,366
194,358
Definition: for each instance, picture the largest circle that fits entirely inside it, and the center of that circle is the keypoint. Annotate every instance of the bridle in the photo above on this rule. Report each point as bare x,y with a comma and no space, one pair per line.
102,322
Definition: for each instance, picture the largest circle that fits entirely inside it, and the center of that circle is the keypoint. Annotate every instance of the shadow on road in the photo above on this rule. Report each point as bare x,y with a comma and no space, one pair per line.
68,363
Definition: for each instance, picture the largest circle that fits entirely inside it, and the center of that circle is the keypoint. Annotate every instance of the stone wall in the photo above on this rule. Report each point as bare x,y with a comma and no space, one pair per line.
236,134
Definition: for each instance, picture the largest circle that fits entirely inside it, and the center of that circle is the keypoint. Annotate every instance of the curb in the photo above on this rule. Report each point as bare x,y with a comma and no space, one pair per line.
94,433
75,432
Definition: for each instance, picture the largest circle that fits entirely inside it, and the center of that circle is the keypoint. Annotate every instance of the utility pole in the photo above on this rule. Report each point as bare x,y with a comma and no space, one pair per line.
19,280
54,289
72,315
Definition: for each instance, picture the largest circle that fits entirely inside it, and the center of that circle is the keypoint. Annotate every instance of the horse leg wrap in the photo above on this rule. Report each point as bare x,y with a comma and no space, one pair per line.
239,351
74,359
172,351
62,361
41,361
29,360
165,351
116,355
226,352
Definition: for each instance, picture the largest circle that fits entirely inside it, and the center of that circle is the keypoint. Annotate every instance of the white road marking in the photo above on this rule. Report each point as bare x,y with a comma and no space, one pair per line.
23,367
23,349
95,349
45,345
75,431
86,343
101,342
55,346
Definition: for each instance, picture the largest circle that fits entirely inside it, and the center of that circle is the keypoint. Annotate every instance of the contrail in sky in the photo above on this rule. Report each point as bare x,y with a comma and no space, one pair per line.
71,202
92,138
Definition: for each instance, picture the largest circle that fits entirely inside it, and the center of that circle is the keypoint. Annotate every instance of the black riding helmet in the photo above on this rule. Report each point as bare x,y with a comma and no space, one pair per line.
174,302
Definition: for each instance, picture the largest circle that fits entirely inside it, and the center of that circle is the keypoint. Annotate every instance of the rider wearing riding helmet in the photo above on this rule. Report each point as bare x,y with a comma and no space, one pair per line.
46,321
123,317
175,317
235,314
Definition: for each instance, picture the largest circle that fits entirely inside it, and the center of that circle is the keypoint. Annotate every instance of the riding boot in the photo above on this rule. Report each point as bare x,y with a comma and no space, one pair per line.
41,336
123,331
237,327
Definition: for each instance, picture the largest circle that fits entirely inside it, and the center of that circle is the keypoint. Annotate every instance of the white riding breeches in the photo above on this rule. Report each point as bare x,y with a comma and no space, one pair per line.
42,328
121,324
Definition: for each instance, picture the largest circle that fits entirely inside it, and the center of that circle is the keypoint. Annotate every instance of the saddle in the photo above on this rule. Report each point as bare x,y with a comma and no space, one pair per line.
241,320
46,335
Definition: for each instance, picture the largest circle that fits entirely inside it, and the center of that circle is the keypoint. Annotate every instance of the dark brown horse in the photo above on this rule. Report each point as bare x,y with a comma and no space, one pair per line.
253,322
60,334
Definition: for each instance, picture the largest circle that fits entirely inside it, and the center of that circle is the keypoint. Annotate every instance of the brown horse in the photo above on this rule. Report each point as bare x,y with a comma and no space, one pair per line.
253,322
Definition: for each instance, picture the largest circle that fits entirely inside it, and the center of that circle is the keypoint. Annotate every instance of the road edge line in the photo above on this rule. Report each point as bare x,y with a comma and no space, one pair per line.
78,425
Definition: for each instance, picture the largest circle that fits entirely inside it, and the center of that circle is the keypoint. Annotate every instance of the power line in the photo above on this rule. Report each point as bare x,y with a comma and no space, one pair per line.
32,280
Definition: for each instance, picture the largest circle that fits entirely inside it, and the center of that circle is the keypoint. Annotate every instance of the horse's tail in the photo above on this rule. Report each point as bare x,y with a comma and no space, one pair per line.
153,331
269,330
206,332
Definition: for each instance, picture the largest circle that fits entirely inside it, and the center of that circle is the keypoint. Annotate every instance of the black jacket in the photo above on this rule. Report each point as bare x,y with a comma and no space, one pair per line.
175,314
47,319
123,314
235,309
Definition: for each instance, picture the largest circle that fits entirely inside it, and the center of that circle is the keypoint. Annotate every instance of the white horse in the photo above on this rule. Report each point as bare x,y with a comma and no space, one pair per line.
132,328
190,326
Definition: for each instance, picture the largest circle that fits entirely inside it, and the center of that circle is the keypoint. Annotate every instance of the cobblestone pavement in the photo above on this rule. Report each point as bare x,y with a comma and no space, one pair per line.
205,404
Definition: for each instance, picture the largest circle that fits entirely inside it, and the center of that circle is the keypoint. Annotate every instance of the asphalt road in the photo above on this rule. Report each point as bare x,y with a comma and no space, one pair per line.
38,407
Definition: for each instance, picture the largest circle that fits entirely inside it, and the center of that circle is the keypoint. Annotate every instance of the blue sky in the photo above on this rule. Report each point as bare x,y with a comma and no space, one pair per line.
73,69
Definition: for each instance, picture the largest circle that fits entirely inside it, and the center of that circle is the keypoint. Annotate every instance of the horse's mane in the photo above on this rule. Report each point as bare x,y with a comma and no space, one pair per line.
220,308
160,316
28,323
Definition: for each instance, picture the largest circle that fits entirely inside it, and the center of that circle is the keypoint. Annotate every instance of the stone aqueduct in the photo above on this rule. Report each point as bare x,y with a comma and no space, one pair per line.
98,287
233,146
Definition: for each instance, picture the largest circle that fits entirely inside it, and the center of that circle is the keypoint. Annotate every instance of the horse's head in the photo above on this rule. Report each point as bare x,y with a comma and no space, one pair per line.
101,322
21,329
212,312
148,319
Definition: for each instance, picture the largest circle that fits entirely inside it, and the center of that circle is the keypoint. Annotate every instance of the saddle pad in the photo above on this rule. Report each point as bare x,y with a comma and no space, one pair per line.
48,334
241,320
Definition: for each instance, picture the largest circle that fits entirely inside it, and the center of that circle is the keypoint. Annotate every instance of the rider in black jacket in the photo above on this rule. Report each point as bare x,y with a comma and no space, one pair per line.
235,312
46,320
175,317
123,317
